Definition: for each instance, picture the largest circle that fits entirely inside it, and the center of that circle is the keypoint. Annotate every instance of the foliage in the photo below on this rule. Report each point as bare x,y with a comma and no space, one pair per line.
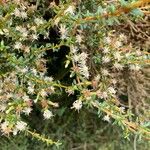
57,59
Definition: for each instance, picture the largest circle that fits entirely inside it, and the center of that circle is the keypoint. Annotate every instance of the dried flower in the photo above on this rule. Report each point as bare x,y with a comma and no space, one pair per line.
5,128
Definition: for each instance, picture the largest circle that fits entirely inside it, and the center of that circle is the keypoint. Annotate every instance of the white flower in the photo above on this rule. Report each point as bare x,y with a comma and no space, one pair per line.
83,56
24,34
15,131
76,58
17,12
70,10
18,45
79,38
63,31
122,37
105,59
21,125
26,98
27,49
3,107
81,59
74,49
118,66
27,110
70,92
1,32
34,37
6,30
118,44
106,118
122,109
33,28
49,79
47,114
127,55
105,50
105,72
114,81
18,28
16,2
30,90
23,14
104,95
108,40
46,36
52,4
84,71
111,90
4,126
117,56
24,70
34,71
38,21
9,95
51,89
135,67
23,31
138,53
97,78
77,105
43,93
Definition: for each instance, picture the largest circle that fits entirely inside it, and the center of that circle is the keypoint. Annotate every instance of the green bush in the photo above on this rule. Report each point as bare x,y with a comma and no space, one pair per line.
71,76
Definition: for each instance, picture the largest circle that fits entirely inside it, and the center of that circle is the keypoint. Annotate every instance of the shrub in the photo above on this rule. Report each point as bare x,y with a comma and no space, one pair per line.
72,50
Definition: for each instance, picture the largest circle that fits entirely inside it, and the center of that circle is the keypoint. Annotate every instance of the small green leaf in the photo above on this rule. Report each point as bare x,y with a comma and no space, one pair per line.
137,12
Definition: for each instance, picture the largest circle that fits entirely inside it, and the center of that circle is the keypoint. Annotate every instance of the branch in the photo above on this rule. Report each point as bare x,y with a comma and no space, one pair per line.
125,9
